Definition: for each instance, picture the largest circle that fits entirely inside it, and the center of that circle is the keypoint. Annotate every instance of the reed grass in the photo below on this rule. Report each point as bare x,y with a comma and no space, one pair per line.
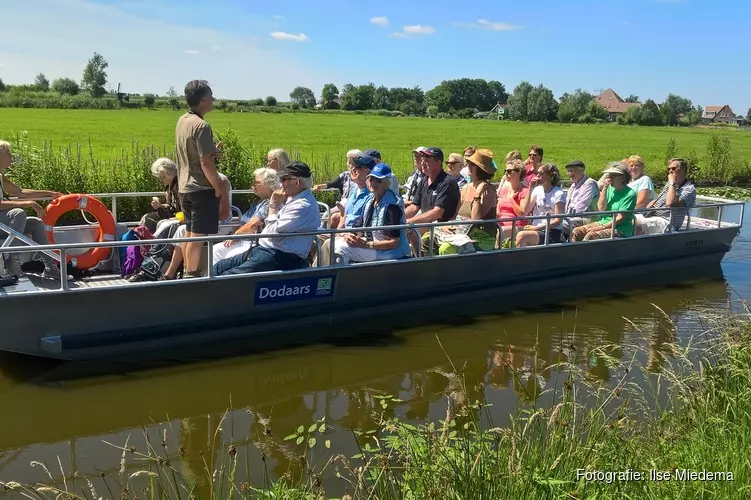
694,413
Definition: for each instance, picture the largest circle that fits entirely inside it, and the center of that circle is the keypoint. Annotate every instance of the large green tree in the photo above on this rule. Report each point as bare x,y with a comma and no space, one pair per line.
467,93
329,96
673,107
94,76
304,97
42,83
65,86
518,102
2,85
650,114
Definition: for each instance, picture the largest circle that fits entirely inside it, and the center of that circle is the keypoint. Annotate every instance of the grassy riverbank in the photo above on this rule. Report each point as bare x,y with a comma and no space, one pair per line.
97,152
692,414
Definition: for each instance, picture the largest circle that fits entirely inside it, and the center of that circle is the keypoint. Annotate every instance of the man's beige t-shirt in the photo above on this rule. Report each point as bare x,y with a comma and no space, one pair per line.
193,139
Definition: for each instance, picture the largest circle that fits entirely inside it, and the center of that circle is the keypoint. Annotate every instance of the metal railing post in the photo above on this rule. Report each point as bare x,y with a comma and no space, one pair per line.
210,258
317,241
719,216
63,269
114,208
432,240
612,226
332,254
547,229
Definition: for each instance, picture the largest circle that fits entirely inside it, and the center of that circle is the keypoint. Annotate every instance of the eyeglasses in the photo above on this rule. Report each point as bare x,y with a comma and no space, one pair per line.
673,169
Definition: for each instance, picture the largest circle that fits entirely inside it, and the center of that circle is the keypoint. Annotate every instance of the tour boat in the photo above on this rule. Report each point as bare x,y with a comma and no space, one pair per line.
104,315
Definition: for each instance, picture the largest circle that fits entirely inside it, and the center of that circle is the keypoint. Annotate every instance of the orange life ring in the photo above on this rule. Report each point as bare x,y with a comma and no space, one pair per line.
107,227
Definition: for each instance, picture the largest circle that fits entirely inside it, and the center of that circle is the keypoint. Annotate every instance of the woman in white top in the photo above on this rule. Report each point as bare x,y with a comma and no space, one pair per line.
543,198
640,183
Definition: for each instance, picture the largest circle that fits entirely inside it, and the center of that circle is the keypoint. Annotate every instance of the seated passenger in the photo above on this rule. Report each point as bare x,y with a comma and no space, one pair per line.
225,216
510,157
165,170
437,197
383,208
544,197
581,197
359,168
413,181
615,195
478,202
277,159
454,166
293,209
468,151
266,182
13,214
511,193
679,193
374,153
533,163
343,183
640,183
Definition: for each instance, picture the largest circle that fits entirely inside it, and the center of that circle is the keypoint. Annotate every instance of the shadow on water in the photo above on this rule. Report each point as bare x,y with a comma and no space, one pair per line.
68,409
377,332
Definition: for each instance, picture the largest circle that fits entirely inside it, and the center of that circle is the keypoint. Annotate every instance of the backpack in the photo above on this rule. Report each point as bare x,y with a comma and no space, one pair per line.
158,256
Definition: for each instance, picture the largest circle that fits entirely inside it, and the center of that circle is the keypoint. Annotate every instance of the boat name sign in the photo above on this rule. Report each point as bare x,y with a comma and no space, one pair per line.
314,287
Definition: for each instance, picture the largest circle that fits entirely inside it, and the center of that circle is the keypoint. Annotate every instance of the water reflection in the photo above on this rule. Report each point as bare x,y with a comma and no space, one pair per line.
497,359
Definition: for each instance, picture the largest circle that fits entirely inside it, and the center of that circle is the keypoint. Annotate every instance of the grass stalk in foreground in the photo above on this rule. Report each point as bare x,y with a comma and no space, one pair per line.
694,414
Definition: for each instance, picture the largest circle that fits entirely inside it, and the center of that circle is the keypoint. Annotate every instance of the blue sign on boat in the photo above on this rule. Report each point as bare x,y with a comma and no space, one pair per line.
314,287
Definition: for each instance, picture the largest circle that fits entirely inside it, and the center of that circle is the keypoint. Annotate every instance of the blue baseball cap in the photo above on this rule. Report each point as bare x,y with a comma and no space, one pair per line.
364,160
374,153
380,171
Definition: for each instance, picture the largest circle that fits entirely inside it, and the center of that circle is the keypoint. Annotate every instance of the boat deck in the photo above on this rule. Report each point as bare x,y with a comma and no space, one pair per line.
34,282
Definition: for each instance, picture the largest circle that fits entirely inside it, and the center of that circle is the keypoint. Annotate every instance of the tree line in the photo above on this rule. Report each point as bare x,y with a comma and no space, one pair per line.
458,98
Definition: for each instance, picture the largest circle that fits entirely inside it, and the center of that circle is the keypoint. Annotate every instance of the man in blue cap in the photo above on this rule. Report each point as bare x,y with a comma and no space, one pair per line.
359,169
384,208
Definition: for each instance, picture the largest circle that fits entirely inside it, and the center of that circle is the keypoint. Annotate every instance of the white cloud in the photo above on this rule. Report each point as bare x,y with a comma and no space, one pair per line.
380,21
57,37
192,52
399,34
490,26
281,35
278,17
419,30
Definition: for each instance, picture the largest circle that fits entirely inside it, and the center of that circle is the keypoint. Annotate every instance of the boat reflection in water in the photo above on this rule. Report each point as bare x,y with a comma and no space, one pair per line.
51,412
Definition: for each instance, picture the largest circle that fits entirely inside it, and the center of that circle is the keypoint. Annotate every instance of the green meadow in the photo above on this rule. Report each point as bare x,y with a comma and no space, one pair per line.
323,139
101,151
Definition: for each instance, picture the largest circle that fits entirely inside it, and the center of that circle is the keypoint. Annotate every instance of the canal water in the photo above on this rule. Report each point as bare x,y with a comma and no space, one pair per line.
48,417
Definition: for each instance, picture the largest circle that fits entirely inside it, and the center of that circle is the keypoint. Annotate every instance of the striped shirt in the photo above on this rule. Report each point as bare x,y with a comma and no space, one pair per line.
686,193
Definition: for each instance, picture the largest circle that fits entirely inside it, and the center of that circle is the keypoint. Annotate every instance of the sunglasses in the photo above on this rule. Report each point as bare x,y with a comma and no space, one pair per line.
532,154
673,169
452,162
511,170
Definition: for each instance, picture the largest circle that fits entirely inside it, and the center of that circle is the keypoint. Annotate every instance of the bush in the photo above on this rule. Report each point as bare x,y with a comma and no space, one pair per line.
271,101
149,99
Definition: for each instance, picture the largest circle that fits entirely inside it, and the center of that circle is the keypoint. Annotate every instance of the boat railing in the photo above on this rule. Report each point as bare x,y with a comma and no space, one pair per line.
429,227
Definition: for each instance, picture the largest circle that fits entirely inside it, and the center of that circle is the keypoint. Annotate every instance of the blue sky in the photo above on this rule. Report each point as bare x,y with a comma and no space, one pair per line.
252,48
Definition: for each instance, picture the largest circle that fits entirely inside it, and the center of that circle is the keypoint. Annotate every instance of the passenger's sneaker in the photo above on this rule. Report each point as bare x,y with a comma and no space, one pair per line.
14,266
54,272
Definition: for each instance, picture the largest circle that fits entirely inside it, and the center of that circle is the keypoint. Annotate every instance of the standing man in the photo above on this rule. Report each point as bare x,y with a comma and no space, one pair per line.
198,180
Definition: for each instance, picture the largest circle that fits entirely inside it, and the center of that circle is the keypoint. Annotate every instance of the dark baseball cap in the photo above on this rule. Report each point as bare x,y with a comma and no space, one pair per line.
374,153
295,169
364,160
436,153
576,164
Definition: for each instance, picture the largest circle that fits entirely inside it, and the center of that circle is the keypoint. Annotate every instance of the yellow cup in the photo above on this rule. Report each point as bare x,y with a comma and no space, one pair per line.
180,216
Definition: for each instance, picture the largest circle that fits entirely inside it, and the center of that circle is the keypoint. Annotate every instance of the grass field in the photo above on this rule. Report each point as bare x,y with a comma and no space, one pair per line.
323,139
94,151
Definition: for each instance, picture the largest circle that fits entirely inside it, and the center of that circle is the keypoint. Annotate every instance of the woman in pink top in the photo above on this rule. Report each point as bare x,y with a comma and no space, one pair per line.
510,195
